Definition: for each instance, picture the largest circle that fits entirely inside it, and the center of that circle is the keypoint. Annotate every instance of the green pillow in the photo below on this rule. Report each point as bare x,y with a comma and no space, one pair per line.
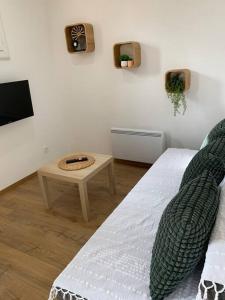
217,148
217,132
183,234
204,160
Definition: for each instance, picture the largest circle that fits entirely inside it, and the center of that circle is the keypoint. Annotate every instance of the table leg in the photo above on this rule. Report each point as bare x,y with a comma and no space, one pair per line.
44,189
112,185
84,199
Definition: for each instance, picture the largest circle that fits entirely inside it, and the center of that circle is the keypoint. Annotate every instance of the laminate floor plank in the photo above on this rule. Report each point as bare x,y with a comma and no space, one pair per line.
36,244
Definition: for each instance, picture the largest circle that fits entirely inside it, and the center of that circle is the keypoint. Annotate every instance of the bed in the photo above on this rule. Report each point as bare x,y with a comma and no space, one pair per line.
114,264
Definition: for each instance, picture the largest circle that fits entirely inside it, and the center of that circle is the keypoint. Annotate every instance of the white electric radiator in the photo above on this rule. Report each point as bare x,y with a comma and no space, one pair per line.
137,145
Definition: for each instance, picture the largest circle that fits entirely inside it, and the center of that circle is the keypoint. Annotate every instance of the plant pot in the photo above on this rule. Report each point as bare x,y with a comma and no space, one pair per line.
124,64
130,63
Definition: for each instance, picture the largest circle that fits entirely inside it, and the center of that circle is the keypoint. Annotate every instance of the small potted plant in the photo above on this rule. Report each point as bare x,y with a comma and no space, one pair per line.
130,62
124,60
175,87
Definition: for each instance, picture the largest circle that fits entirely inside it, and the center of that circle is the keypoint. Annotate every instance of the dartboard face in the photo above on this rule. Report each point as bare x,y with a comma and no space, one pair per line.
77,31
78,38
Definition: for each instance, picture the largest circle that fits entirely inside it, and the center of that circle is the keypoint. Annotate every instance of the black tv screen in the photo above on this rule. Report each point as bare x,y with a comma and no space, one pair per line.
15,102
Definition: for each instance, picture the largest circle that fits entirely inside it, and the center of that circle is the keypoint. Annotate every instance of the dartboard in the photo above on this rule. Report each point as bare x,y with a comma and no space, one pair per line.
77,31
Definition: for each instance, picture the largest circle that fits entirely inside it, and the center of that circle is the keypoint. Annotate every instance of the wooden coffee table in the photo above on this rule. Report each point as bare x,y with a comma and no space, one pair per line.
79,177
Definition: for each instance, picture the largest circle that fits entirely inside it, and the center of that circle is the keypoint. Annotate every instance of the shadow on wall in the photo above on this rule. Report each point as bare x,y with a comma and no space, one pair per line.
206,94
90,58
194,86
206,107
150,64
16,135
150,61
150,57
82,58
205,88
172,142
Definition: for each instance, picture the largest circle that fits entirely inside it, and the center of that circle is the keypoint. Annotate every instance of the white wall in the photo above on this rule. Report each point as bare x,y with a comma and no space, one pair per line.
77,98
21,143
173,34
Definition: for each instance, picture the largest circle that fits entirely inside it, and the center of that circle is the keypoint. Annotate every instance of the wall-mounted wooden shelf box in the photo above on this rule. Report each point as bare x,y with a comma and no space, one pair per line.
133,49
80,38
185,73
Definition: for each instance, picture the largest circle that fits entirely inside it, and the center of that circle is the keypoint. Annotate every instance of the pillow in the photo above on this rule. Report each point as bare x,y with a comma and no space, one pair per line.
213,151
183,234
217,132
204,160
217,148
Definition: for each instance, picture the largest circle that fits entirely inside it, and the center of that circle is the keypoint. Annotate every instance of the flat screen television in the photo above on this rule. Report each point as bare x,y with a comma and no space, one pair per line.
15,102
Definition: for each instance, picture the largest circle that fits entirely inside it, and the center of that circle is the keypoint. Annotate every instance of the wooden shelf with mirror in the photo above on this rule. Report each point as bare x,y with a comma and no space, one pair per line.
128,49
80,38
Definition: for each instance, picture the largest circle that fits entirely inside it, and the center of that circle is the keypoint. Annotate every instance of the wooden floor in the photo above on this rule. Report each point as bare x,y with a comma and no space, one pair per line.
36,244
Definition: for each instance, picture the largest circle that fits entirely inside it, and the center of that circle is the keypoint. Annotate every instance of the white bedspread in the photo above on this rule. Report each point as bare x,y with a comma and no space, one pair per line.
115,262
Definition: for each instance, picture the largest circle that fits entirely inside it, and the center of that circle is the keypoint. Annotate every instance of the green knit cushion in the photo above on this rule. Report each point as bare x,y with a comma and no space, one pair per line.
204,160
217,147
211,157
217,132
183,234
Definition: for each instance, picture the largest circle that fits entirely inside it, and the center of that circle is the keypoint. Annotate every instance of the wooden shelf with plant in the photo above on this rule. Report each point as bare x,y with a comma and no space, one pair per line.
127,55
177,83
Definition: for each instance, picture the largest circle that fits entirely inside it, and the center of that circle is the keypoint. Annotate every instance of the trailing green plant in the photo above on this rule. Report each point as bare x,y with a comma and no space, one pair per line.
175,87
124,57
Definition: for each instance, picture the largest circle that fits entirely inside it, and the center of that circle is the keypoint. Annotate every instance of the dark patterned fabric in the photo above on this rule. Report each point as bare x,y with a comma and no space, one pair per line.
204,160
183,234
217,132
211,294
66,295
217,148
212,158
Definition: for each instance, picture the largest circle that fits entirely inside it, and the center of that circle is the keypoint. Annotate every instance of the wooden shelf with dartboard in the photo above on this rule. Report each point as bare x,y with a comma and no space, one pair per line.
80,38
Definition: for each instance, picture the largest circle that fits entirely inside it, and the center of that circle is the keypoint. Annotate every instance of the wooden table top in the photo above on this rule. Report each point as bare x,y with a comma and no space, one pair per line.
52,169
